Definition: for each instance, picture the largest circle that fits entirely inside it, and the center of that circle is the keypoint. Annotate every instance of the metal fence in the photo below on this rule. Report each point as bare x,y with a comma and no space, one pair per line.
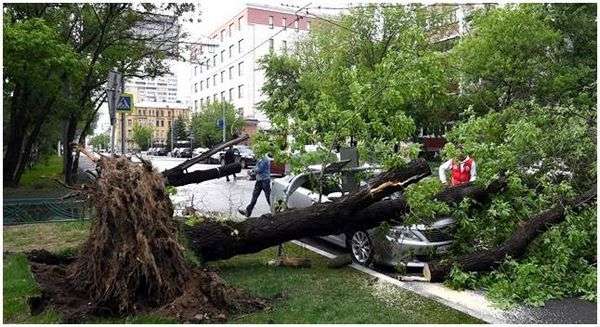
36,210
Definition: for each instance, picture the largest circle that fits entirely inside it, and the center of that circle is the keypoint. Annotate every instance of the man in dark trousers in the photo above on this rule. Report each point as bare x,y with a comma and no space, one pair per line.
263,183
229,158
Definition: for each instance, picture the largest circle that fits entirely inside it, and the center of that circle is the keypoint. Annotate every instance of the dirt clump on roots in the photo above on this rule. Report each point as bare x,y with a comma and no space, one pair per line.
132,262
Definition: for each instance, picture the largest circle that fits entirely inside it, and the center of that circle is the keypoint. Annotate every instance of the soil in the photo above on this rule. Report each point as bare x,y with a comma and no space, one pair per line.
132,261
205,299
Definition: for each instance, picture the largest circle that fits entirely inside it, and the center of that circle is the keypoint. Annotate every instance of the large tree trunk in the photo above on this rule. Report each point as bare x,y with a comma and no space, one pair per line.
514,247
200,176
217,240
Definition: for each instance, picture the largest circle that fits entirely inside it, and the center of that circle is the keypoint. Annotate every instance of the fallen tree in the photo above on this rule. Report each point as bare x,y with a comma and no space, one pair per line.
360,210
515,247
200,176
213,240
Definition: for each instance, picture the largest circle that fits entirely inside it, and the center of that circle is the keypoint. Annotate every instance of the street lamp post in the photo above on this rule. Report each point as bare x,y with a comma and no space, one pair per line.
223,117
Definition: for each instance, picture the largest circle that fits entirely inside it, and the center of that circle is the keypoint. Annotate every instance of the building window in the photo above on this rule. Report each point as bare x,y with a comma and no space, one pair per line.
128,122
284,45
308,24
284,23
201,105
296,25
231,94
230,72
207,64
222,34
207,101
195,87
240,23
215,97
162,123
223,96
195,70
230,51
215,80
229,29
195,105
201,85
240,66
207,82
222,55
214,60
271,44
157,124
201,68
270,21
222,76
240,91
240,46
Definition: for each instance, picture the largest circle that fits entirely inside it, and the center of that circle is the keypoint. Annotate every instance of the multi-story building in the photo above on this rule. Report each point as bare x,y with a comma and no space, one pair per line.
226,66
159,89
158,115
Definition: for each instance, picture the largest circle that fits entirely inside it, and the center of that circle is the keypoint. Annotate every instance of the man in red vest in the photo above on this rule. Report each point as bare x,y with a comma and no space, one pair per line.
462,171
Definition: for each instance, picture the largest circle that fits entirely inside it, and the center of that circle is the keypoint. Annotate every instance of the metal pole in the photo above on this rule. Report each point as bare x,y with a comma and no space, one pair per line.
112,139
223,114
123,131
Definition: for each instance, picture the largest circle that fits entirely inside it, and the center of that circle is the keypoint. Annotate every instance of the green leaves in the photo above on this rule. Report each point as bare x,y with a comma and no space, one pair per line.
204,127
142,136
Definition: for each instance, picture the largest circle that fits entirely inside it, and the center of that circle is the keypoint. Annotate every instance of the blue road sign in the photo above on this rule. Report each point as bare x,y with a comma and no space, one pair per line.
220,123
125,102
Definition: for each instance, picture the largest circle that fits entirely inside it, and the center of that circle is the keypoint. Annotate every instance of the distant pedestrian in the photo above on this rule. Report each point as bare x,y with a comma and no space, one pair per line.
263,183
229,158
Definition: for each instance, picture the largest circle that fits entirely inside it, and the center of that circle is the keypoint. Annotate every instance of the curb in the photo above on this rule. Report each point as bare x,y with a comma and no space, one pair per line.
419,289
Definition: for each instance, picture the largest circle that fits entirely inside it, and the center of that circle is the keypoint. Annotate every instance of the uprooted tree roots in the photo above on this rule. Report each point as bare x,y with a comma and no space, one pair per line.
132,261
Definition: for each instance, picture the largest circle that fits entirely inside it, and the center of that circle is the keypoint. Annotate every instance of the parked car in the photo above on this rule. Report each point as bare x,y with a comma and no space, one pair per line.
185,153
243,154
408,245
161,152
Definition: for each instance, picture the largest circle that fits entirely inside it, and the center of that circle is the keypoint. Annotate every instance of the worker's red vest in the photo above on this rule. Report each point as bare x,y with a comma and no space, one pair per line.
461,176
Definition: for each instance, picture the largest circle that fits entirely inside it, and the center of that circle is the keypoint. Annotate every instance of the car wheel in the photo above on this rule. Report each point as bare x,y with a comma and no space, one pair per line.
361,248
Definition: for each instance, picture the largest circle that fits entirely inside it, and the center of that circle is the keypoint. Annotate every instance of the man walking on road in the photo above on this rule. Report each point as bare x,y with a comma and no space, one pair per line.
229,158
263,183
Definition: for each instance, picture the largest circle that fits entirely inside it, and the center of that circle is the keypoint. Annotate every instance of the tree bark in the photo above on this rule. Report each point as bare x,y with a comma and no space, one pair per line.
217,240
177,170
200,176
514,247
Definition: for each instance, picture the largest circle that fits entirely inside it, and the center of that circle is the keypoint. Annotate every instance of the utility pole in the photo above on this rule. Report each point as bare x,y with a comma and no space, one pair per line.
123,130
223,117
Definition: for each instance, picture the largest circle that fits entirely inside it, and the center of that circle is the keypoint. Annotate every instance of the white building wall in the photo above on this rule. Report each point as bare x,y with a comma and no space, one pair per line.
250,78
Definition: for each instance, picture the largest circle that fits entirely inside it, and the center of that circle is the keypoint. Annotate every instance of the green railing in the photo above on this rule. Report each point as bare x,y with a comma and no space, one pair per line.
35,210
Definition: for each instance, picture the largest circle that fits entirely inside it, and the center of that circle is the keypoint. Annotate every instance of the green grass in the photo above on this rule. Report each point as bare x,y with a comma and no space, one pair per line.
300,295
39,180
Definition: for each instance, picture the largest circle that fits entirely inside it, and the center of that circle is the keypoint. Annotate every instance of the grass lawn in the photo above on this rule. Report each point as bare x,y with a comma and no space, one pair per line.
306,295
39,180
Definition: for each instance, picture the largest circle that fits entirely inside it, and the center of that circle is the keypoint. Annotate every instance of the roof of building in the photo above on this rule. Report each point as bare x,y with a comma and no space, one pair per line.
164,105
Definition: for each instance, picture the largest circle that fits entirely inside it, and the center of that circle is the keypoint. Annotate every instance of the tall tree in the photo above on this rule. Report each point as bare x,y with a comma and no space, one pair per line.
39,69
203,125
142,136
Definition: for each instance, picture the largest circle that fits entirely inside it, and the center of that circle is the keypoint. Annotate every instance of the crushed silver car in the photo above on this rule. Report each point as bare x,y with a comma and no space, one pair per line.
397,245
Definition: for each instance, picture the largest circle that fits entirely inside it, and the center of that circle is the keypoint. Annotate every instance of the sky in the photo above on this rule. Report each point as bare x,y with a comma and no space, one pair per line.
212,14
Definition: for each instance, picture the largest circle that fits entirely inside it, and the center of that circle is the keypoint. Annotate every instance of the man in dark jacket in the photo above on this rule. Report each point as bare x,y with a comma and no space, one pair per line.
229,158
262,184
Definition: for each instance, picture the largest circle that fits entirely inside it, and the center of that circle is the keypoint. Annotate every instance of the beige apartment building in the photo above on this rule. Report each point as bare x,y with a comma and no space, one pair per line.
158,115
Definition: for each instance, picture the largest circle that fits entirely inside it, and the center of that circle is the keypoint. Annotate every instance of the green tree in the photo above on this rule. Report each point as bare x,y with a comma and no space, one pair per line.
204,127
179,131
39,68
369,79
100,141
108,36
142,136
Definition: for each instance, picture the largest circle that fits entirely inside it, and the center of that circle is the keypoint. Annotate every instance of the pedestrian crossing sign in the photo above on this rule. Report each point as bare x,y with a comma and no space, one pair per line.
125,102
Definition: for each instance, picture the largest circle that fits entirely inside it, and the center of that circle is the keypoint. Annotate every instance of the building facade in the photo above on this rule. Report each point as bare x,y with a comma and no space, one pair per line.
158,115
226,66
159,89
